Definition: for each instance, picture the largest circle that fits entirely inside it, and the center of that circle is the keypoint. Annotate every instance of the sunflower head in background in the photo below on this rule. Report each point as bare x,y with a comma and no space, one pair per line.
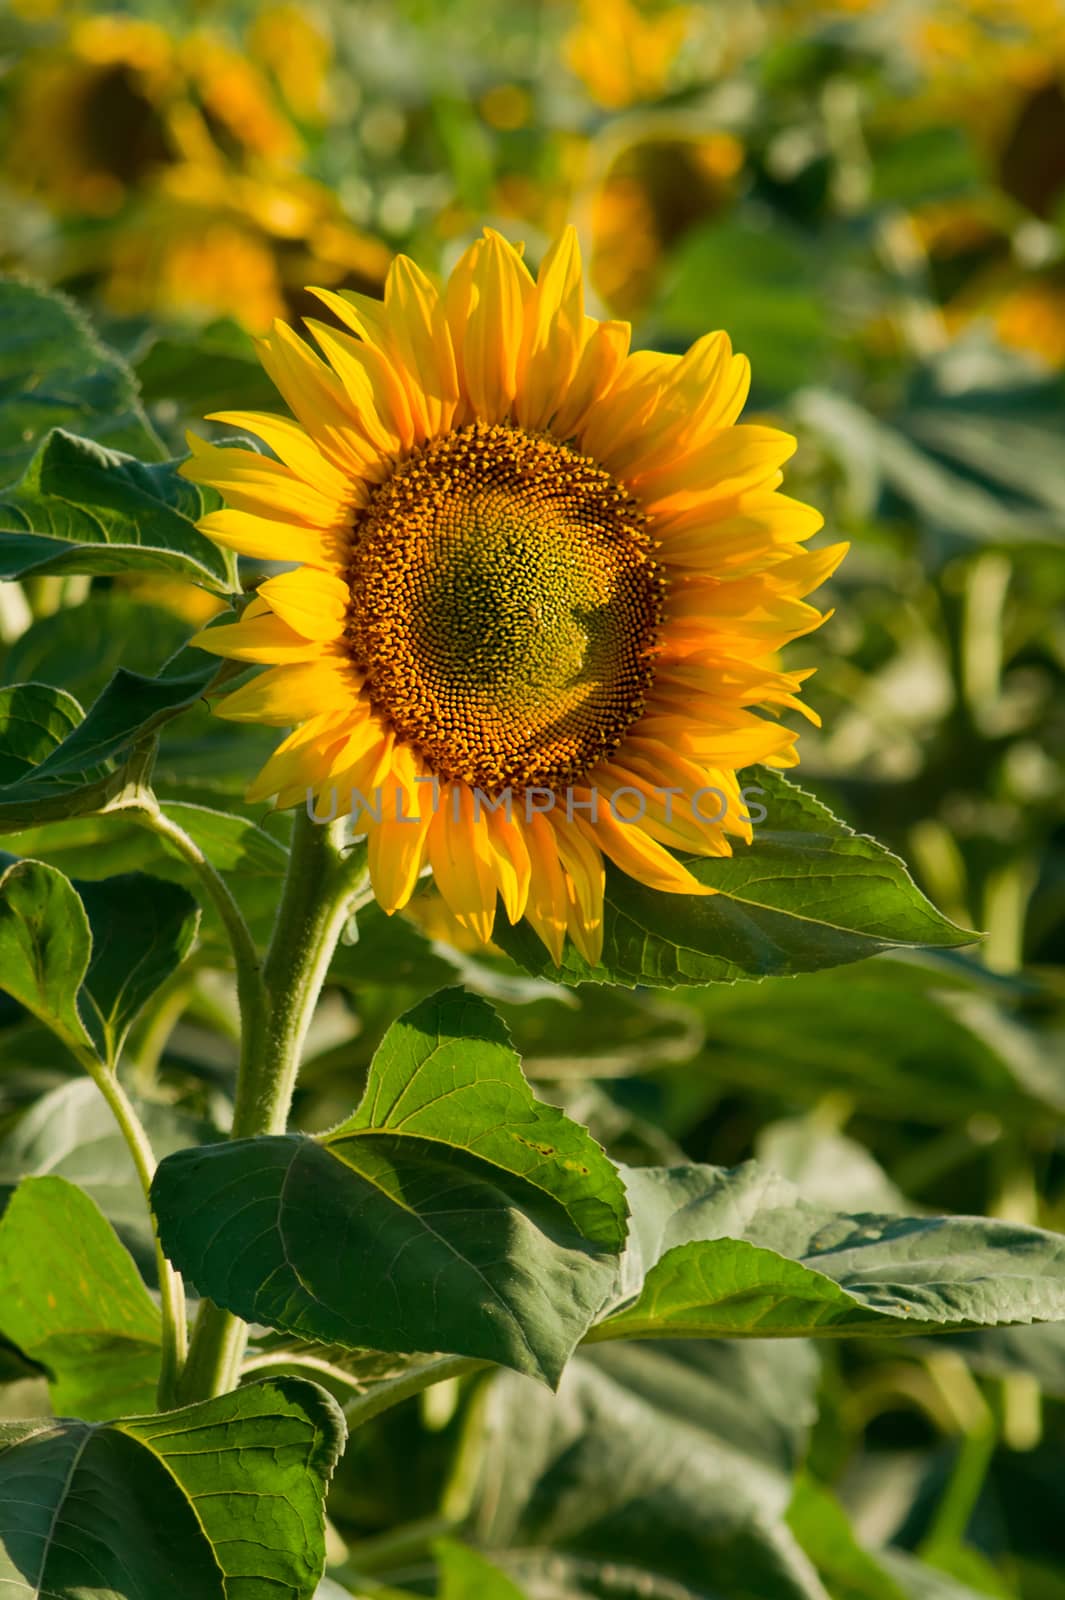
655,191
186,149
535,573
623,51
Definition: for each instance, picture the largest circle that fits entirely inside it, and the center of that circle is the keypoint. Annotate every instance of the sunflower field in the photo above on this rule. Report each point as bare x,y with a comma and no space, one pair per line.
532,755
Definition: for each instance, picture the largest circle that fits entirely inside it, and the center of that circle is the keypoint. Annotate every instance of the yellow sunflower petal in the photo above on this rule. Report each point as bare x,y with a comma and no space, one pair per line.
730,462
422,345
547,910
284,695
462,862
485,302
605,348
397,844
316,397
302,760
702,392
376,396
314,604
266,639
553,333
270,539
294,446
635,852
257,484
513,867
630,401
585,884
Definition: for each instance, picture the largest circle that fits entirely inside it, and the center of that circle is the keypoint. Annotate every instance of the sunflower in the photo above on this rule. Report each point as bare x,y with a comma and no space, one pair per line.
540,585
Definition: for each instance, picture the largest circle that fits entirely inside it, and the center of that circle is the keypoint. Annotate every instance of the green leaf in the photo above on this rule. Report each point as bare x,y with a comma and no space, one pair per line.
108,944
230,843
769,292
913,165
79,648
142,930
820,1524
205,369
808,893
45,946
919,1581
54,372
447,1073
895,1038
661,1471
944,470
719,1253
71,1133
82,508
35,719
486,1219
72,1300
68,776
218,1501
826,1166
466,1575
130,708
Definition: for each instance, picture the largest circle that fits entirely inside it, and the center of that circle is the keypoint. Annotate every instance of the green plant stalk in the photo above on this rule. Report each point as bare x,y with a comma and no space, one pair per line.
979,1437
321,886
383,1396
250,992
171,1287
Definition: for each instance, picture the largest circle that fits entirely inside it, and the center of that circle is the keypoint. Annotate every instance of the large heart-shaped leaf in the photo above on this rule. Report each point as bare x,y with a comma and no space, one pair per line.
55,372
72,1300
451,1212
808,893
717,1252
218,1501
668,1467
80,507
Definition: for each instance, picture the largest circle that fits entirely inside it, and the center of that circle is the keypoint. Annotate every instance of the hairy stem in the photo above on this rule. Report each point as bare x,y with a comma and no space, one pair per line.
320,886
171,1288
320,889
250,993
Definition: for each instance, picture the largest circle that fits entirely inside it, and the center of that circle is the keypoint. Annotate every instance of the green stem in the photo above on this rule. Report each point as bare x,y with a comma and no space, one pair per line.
297,1363
171,1288
250,994
390,1550
979,1437
383,1396
320,886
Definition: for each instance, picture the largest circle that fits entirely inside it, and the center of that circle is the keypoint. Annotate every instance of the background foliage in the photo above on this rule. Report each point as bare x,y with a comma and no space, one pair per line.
870,197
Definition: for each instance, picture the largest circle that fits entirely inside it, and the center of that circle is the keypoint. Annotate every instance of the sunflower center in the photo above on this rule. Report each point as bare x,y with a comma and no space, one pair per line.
504,605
